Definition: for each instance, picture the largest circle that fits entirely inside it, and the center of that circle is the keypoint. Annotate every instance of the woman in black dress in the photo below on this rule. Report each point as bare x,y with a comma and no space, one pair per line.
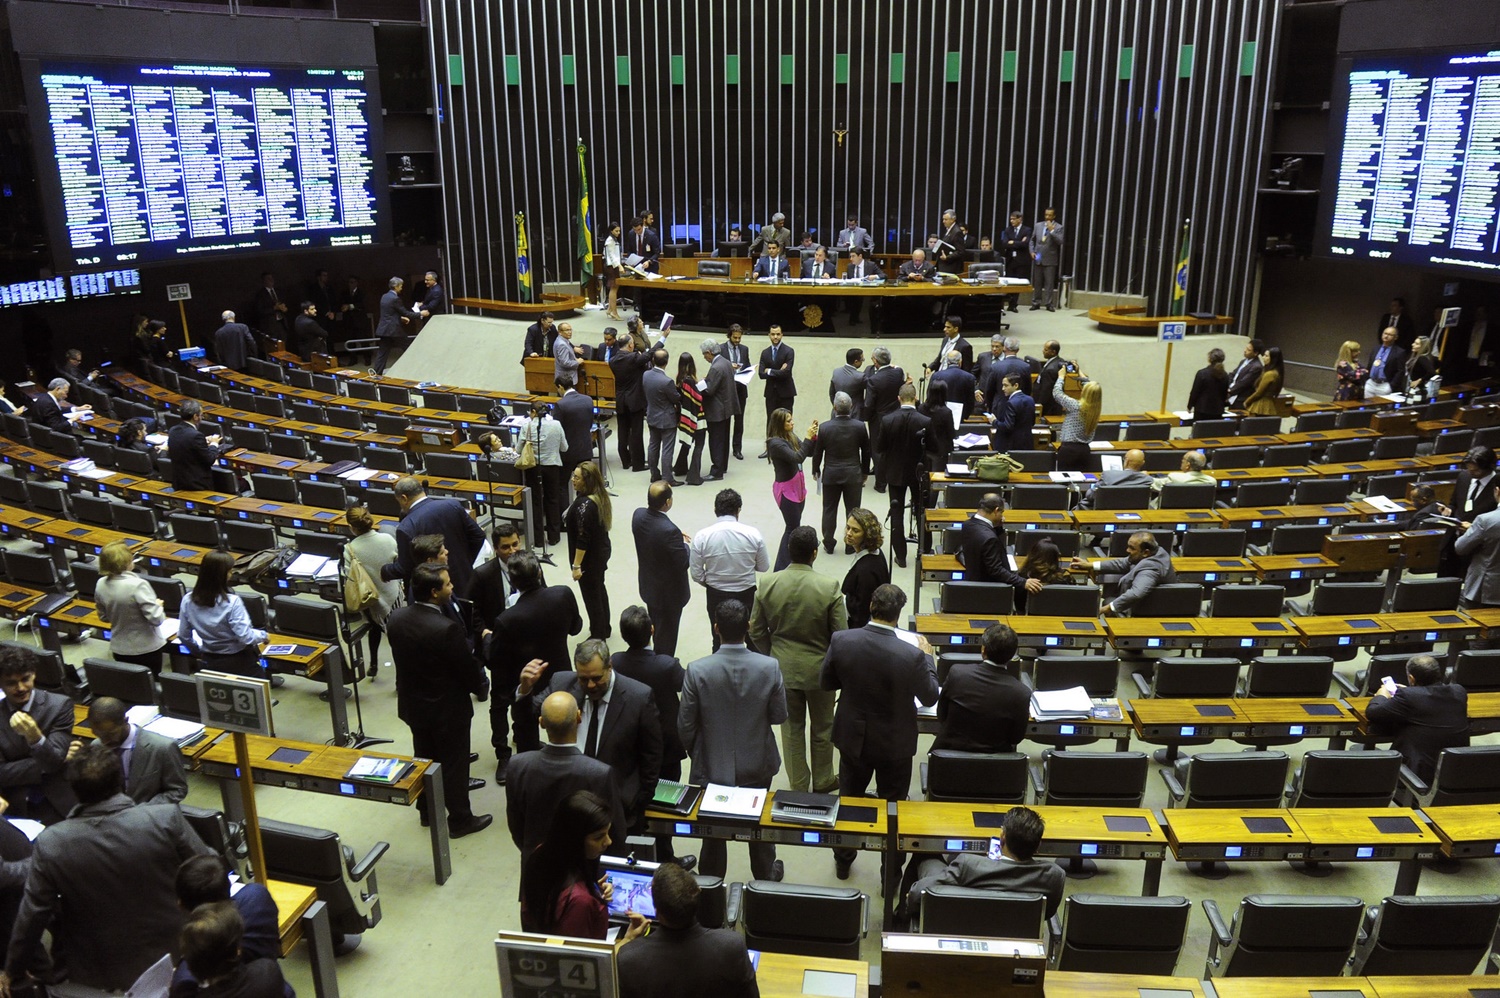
869,571
587,521
1210,392
790,486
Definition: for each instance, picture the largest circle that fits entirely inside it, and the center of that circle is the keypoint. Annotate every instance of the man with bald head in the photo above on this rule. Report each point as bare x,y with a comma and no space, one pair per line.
537,781
1191,472
1133,472
661,553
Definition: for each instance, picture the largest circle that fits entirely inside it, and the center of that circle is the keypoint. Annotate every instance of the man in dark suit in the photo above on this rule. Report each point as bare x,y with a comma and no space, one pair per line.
390,327
192,454
575,411
539,337
849,379
1016,870
536,626
489,591
310,336
434,298
903,438
270,309
984,706
1247,375
776,370
644,243
320,292
1015,417
982,548
424,514
1406,329
862,268
875,726
953,340
1046,256
234,344
772,265
152,764
720,405
34,741
1053,367
539,779
953,250
918,268
960,385
882,397
1424,717
731,700
662,673
985,364
661,554
629,365
608,348
1010,363
681,957
435,675
1146,565
103,882
735,351
352,312
841,462
47,408
1387,366
1015,246
620,724
661,416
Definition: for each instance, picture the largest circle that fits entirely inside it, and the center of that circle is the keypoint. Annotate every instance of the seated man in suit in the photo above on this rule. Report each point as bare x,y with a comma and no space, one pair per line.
205,880
682,957
772,266
1146,565
917,268
982,549
1132,473
537,781
48,408
1424,717
1016,869
984,706
621,725
35,735
1191,472
154,773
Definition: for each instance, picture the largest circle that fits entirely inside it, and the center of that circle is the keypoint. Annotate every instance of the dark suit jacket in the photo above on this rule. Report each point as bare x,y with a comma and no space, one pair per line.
1241,385
434,300
1051,371
271,322
234,344
811,269
392,308
435,667
1014,419
310,335
780,385
23,766
663,674
879,675
575,411
536,782
1395,366
730,700
965,350
1015,244
45,410
628,368
461,536
903,441
107,876
765,266
662,557
647,245
909,269
983,707
661,394
720,399
692,961
1406,329
940,435
850,381
1465,511
630,741
842,451
157,774
1033,876
192,458
538,341
960,385
869,268
1002,368
488,588
1209,395
1424,720
982,553
881,397
538,626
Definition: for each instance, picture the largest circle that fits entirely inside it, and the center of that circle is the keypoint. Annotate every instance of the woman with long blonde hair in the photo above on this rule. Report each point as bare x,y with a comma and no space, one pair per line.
1351,376
1080,420
587,522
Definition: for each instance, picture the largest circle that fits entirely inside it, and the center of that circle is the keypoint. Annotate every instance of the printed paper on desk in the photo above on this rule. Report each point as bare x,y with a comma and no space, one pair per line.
1385,504
957,408
1067,476
1101,445
1183,414
307,566
971,439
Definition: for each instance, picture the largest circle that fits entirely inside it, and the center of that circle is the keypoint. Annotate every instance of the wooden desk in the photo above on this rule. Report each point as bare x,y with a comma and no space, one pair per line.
1340,632
1467,831
15,601
1436,986
191,753
301,915
1074,984
1298,718
779,975
847,834
1149,633
16,522
1289,987
1032,632
1247,633
172,556
1169,718
596,379
1291,567
836,289
1214,571
1354,834
1417,627
1265,517
1107,521
1117,731
321,768
1210,834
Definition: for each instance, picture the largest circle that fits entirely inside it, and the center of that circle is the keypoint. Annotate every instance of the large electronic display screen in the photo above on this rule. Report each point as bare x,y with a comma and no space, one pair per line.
144,162
1413,174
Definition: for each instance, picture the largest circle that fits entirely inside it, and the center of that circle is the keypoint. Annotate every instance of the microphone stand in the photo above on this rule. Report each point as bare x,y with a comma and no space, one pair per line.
357,737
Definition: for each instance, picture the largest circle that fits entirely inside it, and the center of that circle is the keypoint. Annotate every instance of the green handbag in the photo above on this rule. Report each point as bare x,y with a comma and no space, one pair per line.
994,467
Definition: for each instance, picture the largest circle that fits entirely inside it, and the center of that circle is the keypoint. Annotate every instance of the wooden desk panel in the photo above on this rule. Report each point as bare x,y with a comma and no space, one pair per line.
1292,567
322,771
1467,830
847,834
779,975
1073,984
292,902
1425,987
1208,834
955,826
1439,626
1287,987
1298,718
1144,633
837,289
1343,835
1247,633
1167,718
1336,632
1257,517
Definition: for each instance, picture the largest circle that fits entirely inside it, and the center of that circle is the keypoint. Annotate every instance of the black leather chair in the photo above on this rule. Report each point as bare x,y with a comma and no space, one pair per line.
1343,778
85,577
1213,542
1108,934
251,437
1249,495
92,509
1098,674
385,458
945,910
1317,491
1286,456
287,445
1394,447
803,920
713,268
1282,935
1122,497
323,495
1147,431
995,599
1253,426
1422,936
1205,429
1468,775
315,857
1174,599
344,418
1228,458
132,519
990,777
1478,670
1039,497
122,680
1038,461
1089,779
1342,599
1426,595
334,451
307,412
179,695
1247,601
246,538
1227,779
1175,495
274,488
226,838
715,910
1187,678
1064,601
1119,541
1313,422
444,465
1349,451
1304,676
202,531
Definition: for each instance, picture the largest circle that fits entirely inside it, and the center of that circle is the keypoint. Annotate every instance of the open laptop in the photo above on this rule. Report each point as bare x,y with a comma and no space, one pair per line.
1111,462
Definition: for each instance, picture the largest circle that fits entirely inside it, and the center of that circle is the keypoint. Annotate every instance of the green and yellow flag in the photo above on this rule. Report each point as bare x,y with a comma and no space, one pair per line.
523,258
585,222
1180,278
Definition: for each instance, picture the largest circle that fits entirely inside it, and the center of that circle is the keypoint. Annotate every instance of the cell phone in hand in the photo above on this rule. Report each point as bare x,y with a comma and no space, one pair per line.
994,852
1386,682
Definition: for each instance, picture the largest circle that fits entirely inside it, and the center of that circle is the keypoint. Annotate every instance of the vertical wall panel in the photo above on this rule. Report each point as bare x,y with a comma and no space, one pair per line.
1125,115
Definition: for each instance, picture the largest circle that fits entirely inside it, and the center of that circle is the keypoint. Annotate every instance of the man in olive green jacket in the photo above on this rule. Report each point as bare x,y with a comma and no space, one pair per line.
796,611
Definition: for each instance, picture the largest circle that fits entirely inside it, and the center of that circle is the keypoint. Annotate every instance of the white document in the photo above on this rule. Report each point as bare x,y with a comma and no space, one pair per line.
1067,476
1184,414
168,629
1101,445
960,469
732,802
155,981
142,714
156,439
96,473
971,439
957,408
1073,702
306,566
634,260
360,474
910,637
743,377
27,827
703,386
181,731
1385,504
1111,462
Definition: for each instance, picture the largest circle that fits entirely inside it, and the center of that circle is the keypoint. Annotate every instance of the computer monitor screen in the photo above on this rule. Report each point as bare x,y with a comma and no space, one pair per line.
736,248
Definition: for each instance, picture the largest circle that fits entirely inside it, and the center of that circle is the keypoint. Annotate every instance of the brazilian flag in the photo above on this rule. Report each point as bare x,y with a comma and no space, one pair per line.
585,222
523,258
1180,278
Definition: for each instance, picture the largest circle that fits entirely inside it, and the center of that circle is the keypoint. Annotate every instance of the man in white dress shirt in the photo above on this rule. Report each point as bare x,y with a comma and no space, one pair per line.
725,556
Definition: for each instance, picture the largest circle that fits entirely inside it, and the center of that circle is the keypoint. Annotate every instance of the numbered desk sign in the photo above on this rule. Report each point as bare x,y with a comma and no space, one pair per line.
533,965
234,703
1171,332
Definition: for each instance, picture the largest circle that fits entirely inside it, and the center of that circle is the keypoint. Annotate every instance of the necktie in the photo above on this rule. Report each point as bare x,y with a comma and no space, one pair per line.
125,777
773,356
1474,490
591,740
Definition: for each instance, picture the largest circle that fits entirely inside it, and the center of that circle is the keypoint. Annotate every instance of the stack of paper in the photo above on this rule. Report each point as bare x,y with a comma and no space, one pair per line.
184,733
378,769
732,802
1055,705
310,566
972,440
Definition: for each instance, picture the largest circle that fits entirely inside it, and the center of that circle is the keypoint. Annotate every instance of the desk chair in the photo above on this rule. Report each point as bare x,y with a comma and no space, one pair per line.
35,571
1089,779
1283,935
179,695
1208,428
384,459
1213,542
1252,426
49,497
242,400
1148,431
268,369
65,445
1069,542
394,394
315,857
1064,601
17,428
1240,780
946,660
85,577
344,418
1347,451
300,378
1107,430
1119,539
1477,671
286,445
1253,495
13,490
308,412
1467,775
1367,680
270,405
334,451
1098,674
803,920
364,390
324,495
996,599
244,537
226,838
1453,442
251,437
170,591
1039,497
92,509
1390,486
946,910
321,621
1109,934
1426,595
1394,447
446,401
382,502
1161,460
1182,678
129,518
990,777
1411,936
1341,599
1174,599
1288,676
1315,422
275,488
1322,491
122,680
715,908
1246,601
1226,458
1122,497
101,452
385,423
1180,496
1344,778
475,403
1353,419
212,394
1286,456
442,465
